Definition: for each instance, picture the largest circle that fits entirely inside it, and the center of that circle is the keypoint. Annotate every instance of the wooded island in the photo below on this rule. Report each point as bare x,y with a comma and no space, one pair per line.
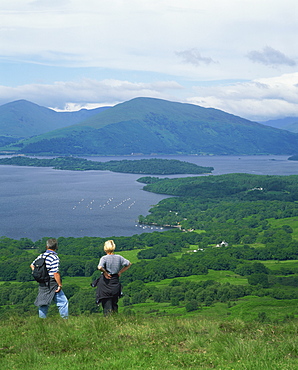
153,166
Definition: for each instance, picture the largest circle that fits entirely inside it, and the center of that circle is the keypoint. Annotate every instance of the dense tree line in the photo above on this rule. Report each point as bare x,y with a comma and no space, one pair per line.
178,292
80,256
192,295
229,185
164,268
240,200
238,259
162,250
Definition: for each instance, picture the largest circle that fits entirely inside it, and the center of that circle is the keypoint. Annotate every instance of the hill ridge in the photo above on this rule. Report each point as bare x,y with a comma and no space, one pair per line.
156,126
22,118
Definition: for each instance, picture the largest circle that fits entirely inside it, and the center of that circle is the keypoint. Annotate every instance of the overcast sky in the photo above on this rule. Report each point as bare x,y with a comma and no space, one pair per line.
240,56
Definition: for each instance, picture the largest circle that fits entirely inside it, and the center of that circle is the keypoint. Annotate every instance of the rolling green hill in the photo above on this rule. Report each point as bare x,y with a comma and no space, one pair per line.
146,125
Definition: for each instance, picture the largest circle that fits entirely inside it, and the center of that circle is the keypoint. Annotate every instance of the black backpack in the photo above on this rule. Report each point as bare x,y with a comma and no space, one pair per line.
40,272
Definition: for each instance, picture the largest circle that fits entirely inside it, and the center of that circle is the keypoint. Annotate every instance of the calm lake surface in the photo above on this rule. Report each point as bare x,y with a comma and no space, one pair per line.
42,202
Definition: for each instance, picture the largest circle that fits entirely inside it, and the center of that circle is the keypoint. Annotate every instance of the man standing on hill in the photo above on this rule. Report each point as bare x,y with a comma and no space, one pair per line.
51,291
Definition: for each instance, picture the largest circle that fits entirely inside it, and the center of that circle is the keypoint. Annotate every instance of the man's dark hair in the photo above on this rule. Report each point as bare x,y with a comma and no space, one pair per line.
52,244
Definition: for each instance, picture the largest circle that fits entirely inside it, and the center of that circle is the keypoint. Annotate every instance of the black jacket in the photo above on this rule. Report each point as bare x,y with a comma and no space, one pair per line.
107,288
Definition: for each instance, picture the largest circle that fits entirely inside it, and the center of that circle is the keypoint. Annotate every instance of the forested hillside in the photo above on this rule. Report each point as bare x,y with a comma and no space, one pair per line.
226,198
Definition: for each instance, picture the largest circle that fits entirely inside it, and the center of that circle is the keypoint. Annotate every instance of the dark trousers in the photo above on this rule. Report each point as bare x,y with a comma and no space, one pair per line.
109,305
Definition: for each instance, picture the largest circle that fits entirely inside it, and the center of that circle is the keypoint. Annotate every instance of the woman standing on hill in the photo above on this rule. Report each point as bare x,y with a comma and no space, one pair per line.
108,285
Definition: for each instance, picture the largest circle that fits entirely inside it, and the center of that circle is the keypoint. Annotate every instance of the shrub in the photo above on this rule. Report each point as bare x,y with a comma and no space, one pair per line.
191,305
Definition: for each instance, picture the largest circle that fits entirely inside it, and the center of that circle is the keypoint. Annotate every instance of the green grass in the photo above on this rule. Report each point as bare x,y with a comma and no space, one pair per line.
257,245
220,276
216,311
137,342
81,281
291,221
249,307
130,255
277,265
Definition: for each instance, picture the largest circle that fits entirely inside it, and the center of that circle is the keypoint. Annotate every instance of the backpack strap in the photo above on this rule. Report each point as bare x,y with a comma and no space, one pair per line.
45,257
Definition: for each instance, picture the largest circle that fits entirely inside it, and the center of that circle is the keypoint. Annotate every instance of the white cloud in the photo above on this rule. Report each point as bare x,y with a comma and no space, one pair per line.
143,36
87,93
259,99
172,47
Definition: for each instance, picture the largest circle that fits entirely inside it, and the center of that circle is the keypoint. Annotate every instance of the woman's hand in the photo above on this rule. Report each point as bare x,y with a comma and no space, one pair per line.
107,275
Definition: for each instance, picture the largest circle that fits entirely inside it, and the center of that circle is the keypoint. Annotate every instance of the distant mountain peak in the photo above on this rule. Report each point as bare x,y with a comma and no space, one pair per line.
286,123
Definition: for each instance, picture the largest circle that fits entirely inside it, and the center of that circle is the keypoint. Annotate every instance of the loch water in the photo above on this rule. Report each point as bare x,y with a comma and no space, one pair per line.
43,202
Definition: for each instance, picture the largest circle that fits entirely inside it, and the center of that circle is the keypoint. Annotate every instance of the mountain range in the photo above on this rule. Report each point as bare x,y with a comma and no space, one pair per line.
22,119
139,126
287,123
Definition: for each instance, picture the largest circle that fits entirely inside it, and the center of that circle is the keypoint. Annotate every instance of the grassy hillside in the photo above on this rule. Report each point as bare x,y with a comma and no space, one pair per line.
128,342
146,125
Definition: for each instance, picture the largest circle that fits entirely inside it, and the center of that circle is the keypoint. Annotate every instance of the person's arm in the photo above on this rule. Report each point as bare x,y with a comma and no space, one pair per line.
32,267
124,269
105,272
57,277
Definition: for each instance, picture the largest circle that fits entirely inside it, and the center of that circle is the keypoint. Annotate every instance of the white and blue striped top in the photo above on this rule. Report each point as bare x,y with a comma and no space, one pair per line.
52,262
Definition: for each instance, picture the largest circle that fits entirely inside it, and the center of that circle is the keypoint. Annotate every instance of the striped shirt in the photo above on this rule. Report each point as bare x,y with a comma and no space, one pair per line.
52,262
113,263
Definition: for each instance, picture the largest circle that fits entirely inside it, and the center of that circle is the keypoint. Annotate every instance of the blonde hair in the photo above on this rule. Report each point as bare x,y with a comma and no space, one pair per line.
109,246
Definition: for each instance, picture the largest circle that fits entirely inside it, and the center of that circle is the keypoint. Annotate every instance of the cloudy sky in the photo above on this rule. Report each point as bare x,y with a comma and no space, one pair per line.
240,56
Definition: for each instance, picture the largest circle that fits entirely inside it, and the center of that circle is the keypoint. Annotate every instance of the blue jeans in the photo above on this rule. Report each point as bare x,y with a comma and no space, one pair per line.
62,304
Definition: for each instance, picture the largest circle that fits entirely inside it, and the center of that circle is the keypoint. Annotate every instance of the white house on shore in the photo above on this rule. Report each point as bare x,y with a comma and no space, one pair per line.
222,244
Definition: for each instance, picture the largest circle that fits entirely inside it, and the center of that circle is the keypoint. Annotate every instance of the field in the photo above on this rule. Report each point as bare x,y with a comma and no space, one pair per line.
130,255
276,265
249,308
291,221
128,342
